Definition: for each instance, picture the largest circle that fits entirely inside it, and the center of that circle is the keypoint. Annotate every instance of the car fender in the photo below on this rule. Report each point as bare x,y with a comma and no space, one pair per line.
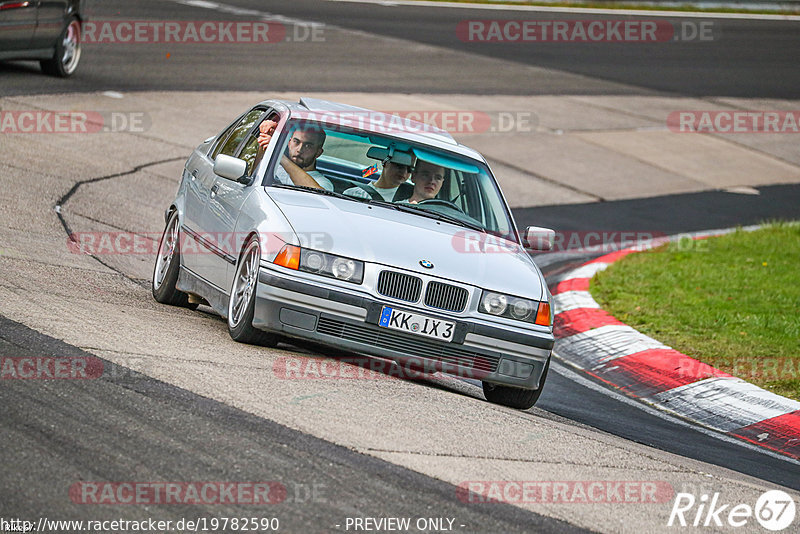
77,9
261,216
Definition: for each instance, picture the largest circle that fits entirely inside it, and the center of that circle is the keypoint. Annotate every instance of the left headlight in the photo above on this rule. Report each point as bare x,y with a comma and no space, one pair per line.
519,309
349,270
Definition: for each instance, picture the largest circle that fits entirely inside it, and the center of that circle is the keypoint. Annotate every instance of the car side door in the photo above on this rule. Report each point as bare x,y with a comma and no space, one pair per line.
50,21
17,25
198,179
225,198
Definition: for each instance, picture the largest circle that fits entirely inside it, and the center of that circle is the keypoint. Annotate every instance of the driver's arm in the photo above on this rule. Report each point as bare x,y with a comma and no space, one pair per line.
298,175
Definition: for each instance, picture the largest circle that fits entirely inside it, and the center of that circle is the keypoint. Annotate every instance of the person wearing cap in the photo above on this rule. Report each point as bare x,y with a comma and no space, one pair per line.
299,163
427,179
392,185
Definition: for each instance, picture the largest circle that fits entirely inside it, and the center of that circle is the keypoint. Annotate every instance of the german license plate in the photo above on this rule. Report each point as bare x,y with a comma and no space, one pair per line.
415,323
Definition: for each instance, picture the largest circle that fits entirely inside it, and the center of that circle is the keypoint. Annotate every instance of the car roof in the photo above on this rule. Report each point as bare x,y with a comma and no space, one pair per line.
371,120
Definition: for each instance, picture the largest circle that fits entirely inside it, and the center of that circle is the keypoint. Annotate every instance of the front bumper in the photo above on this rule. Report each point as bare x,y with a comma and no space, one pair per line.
350,321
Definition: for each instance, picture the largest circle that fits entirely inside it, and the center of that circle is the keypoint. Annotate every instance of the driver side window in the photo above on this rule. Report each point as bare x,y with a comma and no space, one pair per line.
244,126
251,152
237,134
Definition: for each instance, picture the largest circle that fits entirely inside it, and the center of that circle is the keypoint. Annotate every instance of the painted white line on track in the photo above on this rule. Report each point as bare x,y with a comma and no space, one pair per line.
579,10
569,374
239,11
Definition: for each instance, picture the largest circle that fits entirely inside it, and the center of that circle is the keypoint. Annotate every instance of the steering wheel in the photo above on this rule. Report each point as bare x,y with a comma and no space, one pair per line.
440,202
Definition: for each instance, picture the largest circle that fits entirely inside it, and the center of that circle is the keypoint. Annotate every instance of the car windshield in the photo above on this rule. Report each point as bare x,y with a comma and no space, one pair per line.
419,179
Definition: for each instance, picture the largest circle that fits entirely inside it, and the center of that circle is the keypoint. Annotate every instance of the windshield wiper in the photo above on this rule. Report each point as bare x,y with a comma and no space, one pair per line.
408,208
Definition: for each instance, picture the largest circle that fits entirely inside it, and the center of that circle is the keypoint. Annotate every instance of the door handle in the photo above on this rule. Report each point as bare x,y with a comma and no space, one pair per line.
194,175
214,190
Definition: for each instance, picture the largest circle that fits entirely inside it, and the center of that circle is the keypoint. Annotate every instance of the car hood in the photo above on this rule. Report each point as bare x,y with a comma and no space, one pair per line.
389,237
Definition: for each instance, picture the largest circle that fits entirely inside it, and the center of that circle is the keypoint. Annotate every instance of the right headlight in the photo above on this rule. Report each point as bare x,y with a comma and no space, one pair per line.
349,270
519,309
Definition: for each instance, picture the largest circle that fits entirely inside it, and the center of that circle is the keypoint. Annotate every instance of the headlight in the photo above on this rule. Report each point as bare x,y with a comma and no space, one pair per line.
313,261
494,303
516,308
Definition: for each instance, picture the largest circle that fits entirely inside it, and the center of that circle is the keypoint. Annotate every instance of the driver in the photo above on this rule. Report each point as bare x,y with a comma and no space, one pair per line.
427,179
299,163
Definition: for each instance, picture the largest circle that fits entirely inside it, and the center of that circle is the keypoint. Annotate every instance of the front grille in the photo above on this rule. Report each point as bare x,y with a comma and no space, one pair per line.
399,286
446,297
408,345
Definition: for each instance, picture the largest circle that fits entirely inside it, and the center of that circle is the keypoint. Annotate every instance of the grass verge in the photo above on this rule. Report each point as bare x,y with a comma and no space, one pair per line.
731,301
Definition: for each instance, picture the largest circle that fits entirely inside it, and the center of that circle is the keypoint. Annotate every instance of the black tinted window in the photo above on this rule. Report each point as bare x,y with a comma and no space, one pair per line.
230,145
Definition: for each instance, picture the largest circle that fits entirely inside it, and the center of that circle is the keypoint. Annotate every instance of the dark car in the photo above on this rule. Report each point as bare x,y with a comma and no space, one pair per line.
44,30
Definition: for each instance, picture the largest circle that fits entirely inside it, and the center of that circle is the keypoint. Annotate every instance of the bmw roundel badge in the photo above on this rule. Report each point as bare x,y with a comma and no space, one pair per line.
426,264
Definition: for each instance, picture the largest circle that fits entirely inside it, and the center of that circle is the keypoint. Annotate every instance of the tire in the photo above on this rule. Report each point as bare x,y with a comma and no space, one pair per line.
521,399
168,263
242,302
68,51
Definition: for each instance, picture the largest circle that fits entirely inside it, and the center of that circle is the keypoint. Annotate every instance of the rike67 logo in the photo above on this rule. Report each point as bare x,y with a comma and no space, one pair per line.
774,510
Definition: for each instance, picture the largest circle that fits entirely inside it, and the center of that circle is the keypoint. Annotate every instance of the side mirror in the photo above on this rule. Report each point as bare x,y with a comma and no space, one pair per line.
538,238
230,168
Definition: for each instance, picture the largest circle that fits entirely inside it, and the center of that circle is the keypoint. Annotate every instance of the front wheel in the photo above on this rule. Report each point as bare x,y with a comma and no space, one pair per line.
242,302
68,52
521,399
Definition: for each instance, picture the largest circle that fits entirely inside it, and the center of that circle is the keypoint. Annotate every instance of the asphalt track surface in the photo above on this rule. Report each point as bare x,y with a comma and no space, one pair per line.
753,59
744,58
114,427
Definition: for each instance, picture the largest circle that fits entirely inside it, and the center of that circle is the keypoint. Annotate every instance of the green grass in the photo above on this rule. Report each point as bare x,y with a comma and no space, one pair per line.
600,4
731,301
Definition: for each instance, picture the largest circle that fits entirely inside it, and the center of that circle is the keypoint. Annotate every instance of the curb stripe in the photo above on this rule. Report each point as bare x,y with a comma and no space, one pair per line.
611,257
572,300
725,404
654,371
573,284
582,320
587,270
781,434
601,345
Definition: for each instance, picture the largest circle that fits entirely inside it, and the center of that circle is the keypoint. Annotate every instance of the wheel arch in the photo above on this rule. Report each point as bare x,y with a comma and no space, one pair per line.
76,8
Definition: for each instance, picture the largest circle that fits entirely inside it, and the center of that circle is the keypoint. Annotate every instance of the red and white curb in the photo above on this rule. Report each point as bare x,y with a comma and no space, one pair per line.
598,344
